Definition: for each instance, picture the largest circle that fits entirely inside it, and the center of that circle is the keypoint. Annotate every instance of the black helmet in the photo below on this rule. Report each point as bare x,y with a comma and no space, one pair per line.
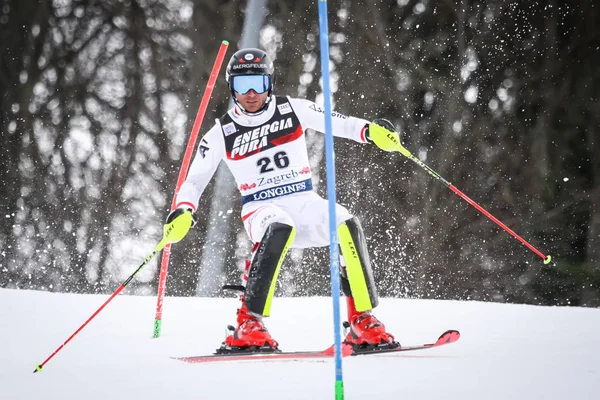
250,62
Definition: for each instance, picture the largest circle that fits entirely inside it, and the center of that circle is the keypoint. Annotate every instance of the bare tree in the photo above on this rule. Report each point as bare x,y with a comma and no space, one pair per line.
84,99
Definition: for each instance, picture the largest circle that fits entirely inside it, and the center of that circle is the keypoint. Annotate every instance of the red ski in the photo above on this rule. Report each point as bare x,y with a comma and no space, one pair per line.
447,337
286,355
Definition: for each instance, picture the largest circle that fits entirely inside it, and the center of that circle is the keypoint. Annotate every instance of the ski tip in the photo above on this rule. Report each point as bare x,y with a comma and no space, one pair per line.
450,336
330,350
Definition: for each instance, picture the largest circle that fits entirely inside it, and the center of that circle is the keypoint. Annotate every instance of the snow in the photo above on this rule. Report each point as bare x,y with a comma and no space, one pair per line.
505,351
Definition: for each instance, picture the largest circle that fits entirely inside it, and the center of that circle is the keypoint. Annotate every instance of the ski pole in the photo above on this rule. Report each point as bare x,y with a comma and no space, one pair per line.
450,186
172,234
166,255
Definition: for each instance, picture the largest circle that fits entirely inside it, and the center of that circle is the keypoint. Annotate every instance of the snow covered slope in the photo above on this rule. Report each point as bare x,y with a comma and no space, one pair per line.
505,351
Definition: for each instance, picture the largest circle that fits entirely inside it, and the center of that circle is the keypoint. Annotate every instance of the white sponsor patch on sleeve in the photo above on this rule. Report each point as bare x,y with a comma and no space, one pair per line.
229,129
284,108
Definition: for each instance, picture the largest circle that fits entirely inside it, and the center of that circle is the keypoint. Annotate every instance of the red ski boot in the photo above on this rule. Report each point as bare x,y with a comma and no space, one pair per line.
364,330
250,335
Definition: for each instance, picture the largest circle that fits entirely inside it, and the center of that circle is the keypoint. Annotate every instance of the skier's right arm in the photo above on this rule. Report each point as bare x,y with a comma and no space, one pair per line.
211,151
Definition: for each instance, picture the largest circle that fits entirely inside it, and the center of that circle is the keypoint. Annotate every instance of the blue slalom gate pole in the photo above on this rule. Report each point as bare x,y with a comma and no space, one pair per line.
330,167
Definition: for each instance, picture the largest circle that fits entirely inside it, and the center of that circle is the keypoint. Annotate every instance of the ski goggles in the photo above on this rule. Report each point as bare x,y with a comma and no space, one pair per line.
242,84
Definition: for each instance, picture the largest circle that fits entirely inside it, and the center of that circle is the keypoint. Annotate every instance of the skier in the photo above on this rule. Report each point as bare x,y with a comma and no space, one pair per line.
262,141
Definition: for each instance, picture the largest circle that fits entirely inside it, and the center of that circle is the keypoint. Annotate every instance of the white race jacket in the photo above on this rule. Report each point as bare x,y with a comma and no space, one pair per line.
266,153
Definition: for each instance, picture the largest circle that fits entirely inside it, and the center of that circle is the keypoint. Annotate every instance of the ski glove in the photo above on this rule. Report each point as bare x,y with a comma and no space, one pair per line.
383,133
178,211
178,224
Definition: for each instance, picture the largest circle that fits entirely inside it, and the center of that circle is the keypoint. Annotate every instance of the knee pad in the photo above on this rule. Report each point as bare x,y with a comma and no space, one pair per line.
358,281
264,269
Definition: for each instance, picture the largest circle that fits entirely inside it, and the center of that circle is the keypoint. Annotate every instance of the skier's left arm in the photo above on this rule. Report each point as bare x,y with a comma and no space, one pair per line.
380,132
311,116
